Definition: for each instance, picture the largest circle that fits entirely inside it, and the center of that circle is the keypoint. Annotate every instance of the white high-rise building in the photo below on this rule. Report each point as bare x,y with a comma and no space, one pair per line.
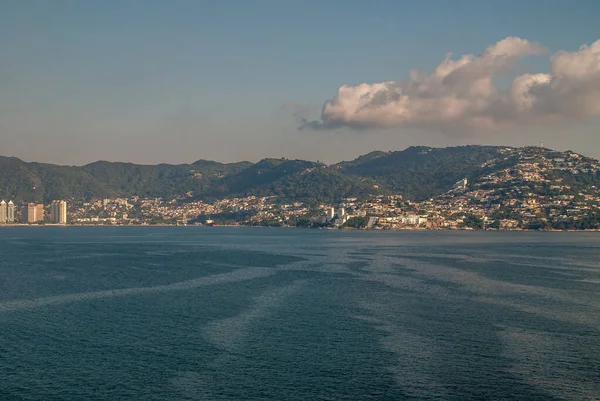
341,213
330,213
33,213
58,212
10,212
3,212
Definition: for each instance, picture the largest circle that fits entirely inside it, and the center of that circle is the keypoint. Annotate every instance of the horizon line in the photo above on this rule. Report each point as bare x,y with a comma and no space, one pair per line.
280,158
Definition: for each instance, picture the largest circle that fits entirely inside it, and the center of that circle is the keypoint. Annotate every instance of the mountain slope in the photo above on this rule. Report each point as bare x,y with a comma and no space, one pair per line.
319,185
38,182
258,178
417,173
421,172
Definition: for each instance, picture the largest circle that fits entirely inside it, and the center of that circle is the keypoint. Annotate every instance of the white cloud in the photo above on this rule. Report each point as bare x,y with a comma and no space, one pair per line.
460,95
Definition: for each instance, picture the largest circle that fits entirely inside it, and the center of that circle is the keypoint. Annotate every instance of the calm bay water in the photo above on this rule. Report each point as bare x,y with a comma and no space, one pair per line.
192,313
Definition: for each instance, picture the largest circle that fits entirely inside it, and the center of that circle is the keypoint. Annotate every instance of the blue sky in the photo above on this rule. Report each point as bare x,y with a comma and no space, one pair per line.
175,81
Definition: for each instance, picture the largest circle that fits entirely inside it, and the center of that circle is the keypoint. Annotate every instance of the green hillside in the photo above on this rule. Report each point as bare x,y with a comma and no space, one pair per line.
420,172
417,173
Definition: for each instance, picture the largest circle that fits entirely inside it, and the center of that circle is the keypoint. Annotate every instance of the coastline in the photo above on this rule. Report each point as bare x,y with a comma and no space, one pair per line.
292,227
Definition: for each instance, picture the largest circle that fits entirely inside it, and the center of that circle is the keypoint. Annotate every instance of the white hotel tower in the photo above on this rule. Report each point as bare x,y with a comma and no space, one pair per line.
10,212
3,212
7,212
58,212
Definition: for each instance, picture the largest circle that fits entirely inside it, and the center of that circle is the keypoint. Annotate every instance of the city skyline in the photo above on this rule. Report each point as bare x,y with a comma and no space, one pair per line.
530,188
526,194
176,82
33,213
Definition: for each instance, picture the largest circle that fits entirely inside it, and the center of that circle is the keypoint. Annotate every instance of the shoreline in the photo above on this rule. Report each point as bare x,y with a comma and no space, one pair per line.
292,227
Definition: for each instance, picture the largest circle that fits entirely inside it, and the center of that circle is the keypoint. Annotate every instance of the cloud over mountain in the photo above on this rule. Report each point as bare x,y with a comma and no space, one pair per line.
461,95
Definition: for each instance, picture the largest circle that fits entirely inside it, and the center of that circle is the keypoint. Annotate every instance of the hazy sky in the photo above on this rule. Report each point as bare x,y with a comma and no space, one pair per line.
176,81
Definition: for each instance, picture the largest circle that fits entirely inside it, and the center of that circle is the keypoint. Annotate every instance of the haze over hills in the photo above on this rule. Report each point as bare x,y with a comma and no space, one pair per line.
417,173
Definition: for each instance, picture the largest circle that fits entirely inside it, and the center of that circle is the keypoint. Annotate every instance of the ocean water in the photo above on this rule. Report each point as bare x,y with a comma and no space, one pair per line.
195,313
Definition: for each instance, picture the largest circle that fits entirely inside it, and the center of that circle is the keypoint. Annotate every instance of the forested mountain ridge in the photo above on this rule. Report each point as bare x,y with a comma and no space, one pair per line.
417,173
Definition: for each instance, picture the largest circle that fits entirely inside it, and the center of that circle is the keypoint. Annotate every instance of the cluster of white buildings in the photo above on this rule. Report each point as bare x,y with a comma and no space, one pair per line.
339,216
461,185
32,213
7,212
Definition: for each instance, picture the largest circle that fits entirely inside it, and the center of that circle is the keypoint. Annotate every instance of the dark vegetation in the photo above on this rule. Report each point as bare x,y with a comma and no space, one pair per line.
417,173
